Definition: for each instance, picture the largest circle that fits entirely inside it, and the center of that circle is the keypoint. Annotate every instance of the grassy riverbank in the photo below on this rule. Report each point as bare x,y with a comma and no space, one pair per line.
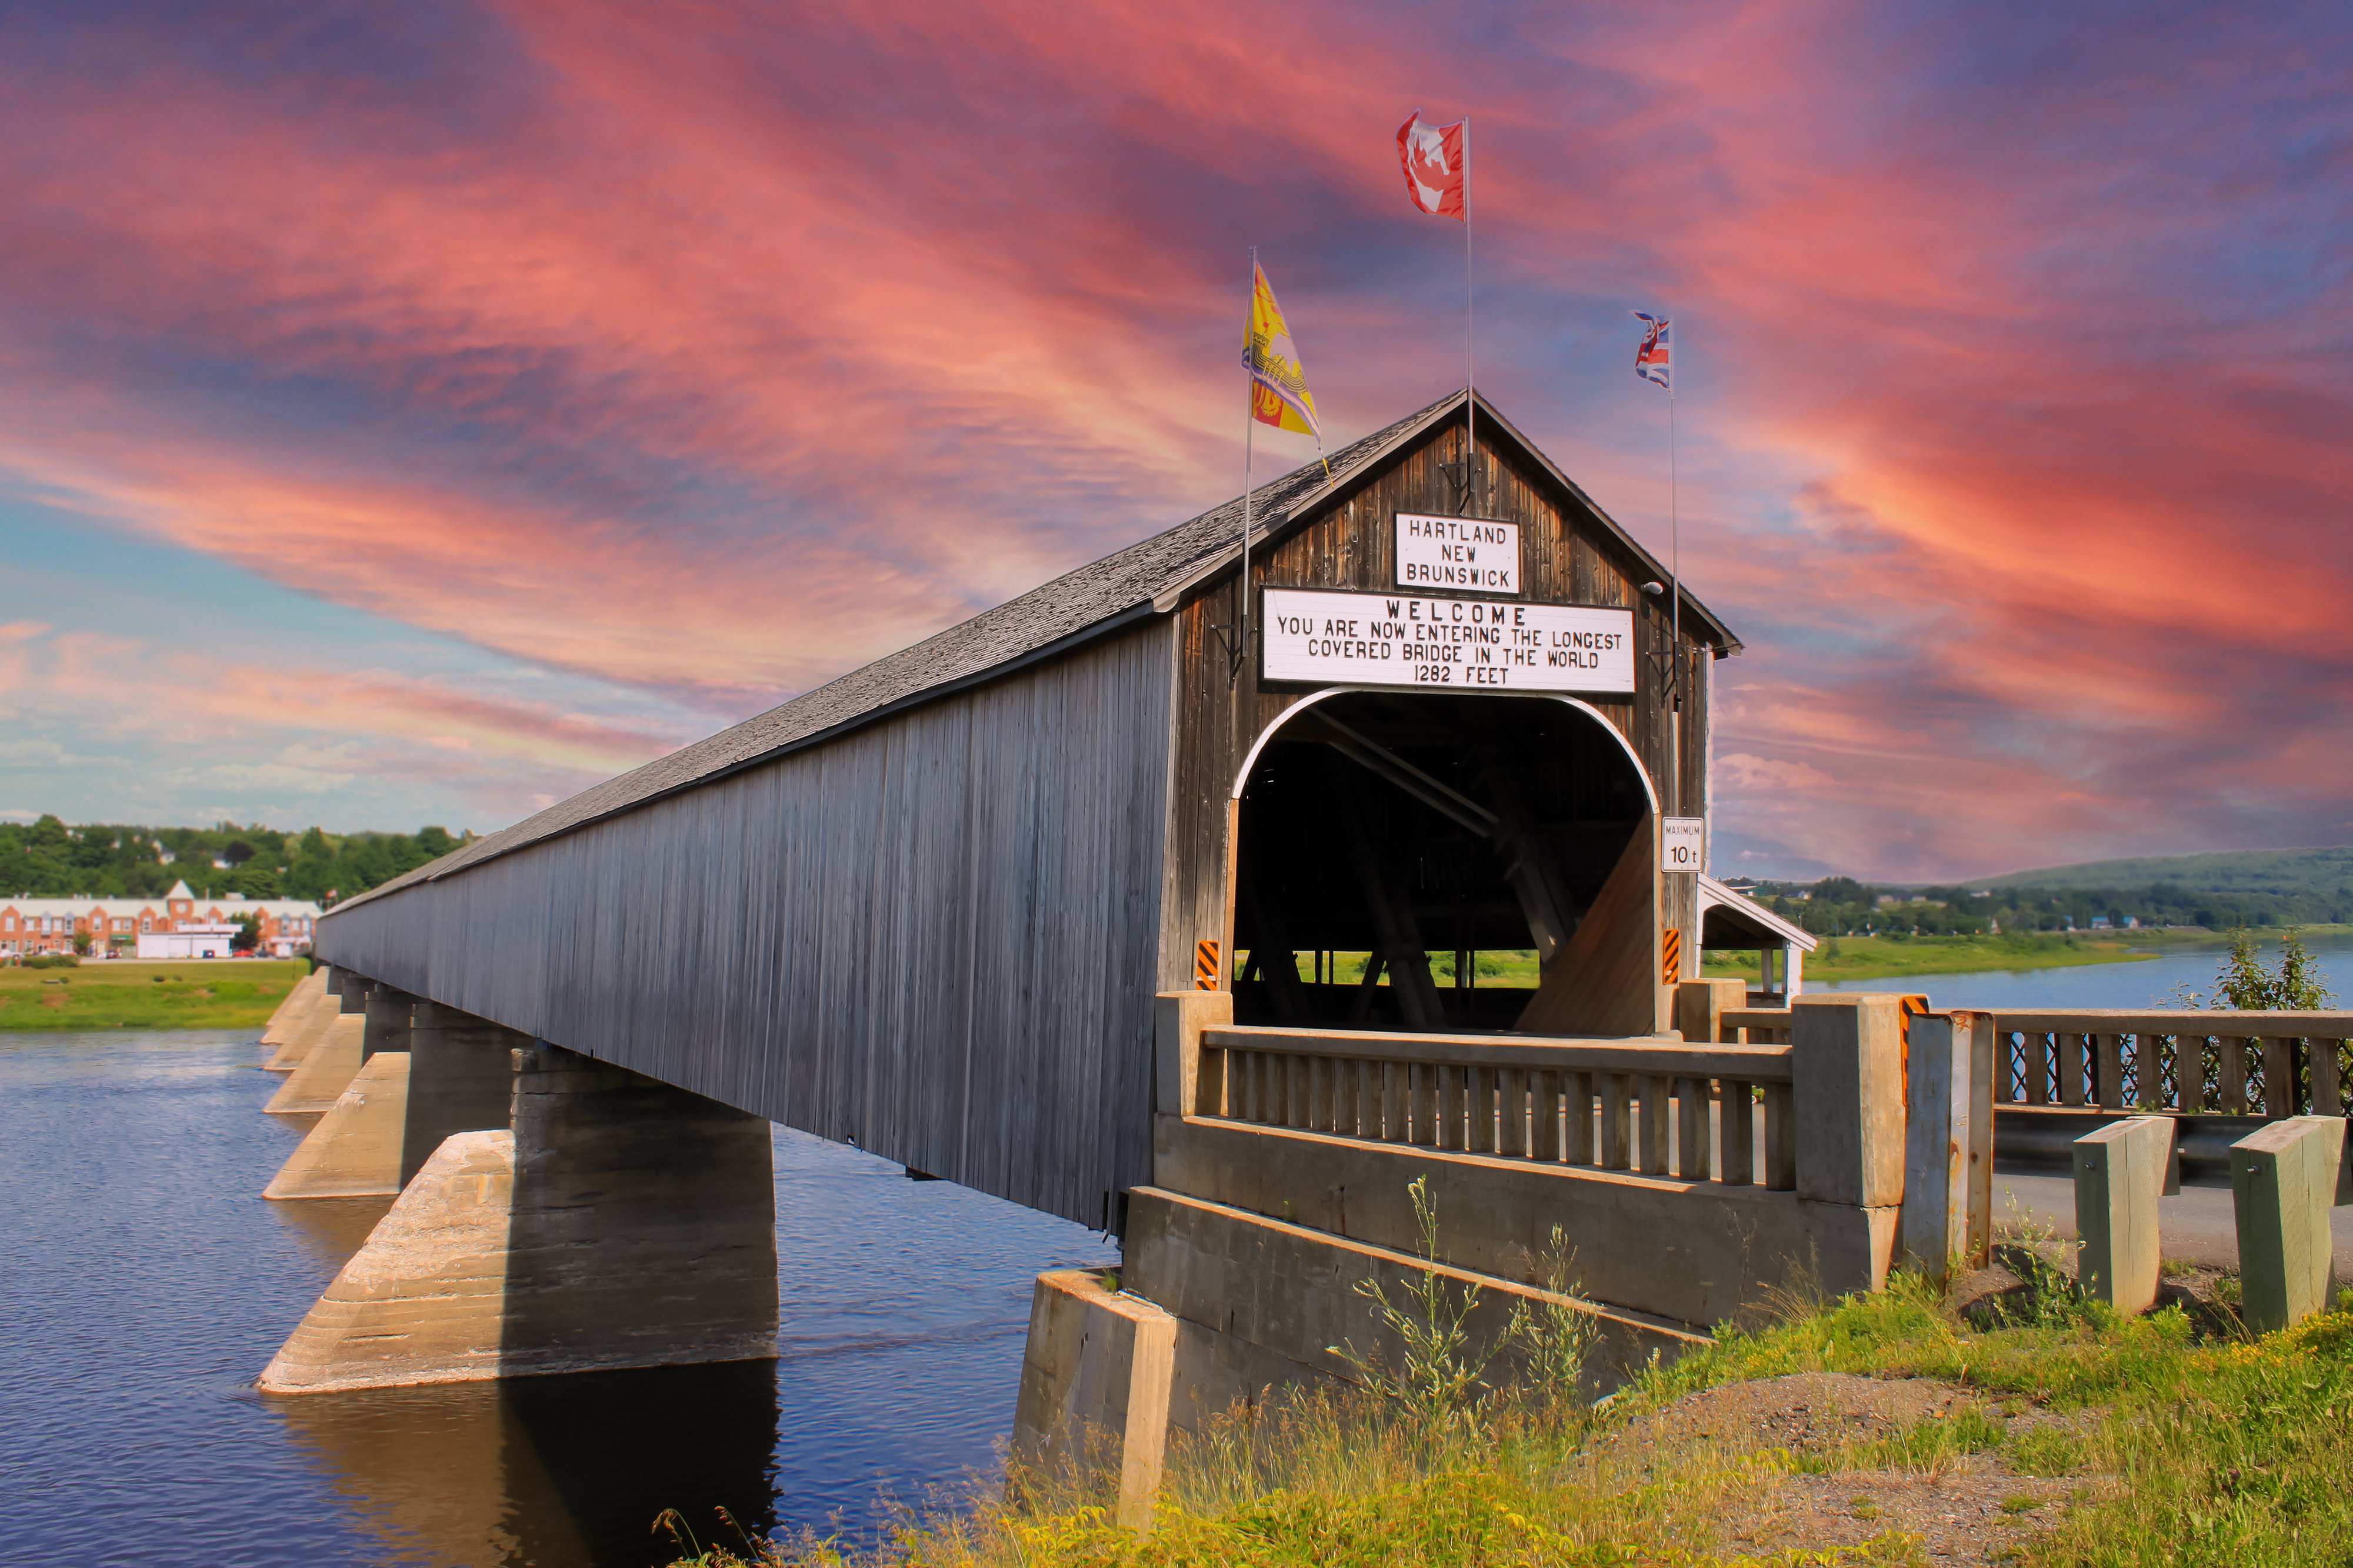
1887,1429
1875,957
124,994
1857,957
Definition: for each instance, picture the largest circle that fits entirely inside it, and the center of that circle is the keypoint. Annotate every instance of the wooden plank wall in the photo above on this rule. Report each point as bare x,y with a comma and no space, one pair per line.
1567,559
935,935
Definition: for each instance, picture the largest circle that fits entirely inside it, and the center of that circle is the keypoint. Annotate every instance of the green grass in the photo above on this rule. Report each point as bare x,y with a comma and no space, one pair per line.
1877,957
124,994
1837,958
2178,1451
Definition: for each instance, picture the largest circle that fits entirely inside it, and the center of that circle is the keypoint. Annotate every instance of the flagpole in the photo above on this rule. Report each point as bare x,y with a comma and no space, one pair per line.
1675,581
1470,361
1249,422
1674,536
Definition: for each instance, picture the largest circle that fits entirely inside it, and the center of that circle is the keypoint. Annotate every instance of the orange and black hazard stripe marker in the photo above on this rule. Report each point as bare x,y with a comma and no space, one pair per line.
1206,970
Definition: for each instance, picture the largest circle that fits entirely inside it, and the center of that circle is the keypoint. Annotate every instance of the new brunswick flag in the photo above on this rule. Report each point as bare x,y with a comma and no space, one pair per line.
1279,395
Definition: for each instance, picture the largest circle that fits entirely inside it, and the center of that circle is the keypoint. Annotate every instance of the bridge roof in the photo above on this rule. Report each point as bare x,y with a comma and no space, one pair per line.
1152,575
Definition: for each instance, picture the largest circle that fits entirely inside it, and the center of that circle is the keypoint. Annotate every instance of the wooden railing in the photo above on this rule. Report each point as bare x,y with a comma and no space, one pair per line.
2230,1063
1653,1105
1755,1026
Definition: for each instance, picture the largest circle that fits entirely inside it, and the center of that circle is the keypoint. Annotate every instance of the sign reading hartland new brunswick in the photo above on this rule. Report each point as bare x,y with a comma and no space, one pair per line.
1473,553
1399,639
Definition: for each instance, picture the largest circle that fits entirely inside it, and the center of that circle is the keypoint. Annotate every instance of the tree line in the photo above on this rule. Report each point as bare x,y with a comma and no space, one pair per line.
53,858
1841,906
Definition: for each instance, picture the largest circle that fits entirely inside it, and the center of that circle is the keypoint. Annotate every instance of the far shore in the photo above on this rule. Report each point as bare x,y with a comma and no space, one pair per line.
146,994
1887,957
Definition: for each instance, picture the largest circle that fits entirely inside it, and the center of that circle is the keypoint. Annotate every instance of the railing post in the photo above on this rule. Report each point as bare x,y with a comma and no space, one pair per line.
2119,1175
1178,1020
1655,1089
1694,1136
1947,1193
2279,1076
1577,1117
1617,1125
2283,1184
1701,1004
2148,1070
1847,1068
1736,1125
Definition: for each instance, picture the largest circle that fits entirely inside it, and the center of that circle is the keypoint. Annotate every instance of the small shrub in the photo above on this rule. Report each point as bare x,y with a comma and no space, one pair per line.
2242,981
1439,1376
2048,1295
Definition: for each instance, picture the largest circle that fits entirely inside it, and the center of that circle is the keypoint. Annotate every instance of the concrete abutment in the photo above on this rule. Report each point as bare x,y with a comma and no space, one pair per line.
1253,1238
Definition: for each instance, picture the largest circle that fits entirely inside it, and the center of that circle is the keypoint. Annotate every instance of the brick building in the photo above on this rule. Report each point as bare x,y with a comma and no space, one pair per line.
114,925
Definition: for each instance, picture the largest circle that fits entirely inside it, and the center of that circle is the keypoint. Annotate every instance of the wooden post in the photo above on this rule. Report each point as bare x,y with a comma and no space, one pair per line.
2283,1184
2119,1174
1692,1135
1617,1128
1178,1017
2234,1074
1781,1139
2108,1069
1948,1142
1655,1123
1577,1117
1544,1118
2326,1093
1849,1078
2279,1076
1511,1110
1700,1006
2148,1089
1479,1108
1736,1122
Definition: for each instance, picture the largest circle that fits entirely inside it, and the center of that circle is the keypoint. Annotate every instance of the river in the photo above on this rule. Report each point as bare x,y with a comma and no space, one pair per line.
2142,983
145,1282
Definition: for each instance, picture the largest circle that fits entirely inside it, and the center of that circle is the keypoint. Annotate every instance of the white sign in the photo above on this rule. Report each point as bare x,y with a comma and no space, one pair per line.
1398,639
1457,552
1682,844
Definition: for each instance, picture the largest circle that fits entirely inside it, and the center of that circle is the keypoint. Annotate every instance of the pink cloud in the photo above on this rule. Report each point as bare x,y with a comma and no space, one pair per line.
717,351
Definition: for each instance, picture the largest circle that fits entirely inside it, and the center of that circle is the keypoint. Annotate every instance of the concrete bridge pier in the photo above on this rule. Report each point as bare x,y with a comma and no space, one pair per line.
287,1020
355,1149
620,1223
460,1080
328,1068
297,1031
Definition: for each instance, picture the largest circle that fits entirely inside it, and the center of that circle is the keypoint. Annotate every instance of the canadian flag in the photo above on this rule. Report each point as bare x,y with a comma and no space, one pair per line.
1434,165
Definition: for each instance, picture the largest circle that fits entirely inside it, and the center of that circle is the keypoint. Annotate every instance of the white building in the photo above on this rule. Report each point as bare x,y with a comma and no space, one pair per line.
189,940
116,925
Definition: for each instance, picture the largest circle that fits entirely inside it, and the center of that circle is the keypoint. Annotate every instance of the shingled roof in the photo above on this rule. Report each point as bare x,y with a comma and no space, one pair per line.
1150,575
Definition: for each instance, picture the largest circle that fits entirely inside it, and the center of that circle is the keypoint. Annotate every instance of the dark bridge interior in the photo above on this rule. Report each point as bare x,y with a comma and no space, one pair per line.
1405,824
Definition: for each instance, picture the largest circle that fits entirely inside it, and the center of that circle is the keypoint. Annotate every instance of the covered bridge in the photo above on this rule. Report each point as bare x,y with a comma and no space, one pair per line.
925,907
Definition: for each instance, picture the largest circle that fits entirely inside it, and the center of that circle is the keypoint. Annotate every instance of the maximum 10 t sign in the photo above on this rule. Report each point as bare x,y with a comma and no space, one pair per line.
1399,639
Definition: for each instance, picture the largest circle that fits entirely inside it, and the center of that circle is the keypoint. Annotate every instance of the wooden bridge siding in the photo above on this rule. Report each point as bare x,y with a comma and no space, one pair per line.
972,993
1353,547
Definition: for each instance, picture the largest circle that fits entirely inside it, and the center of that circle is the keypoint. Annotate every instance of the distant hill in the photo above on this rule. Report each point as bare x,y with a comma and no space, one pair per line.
2276,872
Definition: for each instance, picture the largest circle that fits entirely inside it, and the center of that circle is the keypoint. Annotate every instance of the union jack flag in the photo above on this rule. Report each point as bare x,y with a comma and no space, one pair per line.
1654,361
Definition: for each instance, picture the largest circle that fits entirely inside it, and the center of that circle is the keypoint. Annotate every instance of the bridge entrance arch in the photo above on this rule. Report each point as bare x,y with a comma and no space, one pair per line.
1390,845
